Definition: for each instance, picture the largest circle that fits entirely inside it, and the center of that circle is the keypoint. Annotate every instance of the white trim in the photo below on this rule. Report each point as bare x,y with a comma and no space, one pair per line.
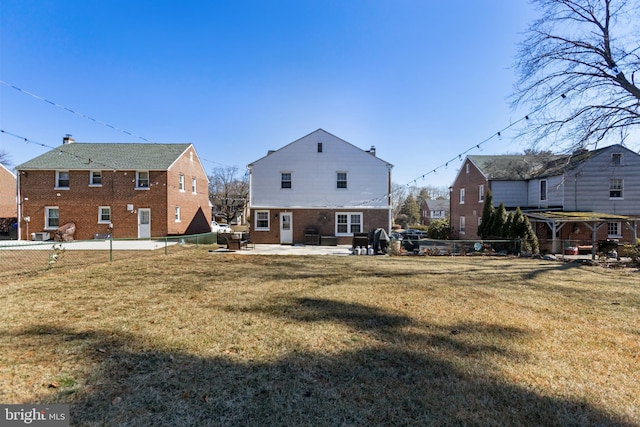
46,217
138,180
349,224
255,220
100,220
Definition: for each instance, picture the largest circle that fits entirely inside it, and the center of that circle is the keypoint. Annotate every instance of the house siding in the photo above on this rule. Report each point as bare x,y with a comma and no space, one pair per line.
314,192
587,188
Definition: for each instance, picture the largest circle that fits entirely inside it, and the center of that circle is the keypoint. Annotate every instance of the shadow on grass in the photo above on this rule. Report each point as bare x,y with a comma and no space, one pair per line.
376,385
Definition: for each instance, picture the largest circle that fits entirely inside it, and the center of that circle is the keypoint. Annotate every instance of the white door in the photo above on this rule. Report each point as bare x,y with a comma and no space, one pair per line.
286,229
144,223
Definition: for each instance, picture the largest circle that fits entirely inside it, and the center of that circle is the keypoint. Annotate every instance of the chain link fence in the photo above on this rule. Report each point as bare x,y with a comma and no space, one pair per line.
18,257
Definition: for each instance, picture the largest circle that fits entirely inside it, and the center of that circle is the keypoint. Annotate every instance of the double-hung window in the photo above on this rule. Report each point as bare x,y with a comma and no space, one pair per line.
95,178
285,180
348,223
104,215
341,180
463,225
462,196
51,217
481,193
177,214
62,179
194,188
181,182
615,188
262,220
142,179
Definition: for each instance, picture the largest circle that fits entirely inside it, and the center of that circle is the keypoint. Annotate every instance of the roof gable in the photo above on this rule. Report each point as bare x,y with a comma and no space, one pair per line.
313,139
535,165
128,156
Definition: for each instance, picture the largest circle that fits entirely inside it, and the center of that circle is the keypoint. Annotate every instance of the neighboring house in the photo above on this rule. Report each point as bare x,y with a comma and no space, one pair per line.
123,190
604,182
319,185
432,210
8,203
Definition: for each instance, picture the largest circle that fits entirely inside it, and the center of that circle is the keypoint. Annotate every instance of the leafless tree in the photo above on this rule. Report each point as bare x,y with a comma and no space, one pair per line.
5,159
577,69
228,192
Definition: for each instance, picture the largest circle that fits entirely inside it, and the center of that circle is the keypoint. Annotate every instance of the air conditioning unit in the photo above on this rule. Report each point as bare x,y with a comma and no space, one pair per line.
42,236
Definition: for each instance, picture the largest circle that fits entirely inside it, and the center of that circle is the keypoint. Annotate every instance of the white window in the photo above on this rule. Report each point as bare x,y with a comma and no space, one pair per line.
262,220
341,180
285,180
615,188
142,179
104,214
62,179
614,230
463,225
181,182
348,223
467,167
481,193
462,196
479,221
51,217
95,178
177,214
543,190
194,189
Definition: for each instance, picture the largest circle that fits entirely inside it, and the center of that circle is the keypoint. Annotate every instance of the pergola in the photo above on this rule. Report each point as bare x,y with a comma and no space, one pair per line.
592,220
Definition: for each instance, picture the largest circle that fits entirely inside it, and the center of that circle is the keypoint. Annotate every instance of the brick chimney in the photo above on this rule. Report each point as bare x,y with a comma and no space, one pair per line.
68,140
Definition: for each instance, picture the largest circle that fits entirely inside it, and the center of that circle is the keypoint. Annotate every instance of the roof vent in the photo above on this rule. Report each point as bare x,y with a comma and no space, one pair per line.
67,139
270,152
372,150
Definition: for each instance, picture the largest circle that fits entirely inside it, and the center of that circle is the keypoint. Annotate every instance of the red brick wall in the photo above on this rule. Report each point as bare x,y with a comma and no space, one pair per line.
323,220
472,207
192,206
79,204
8,206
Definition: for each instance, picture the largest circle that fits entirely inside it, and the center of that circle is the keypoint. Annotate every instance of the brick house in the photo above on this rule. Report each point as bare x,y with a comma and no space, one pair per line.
123,190
318,189
603,182
8,204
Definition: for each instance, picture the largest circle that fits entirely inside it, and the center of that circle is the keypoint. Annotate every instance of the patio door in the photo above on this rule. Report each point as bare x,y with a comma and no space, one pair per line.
286,228
144,223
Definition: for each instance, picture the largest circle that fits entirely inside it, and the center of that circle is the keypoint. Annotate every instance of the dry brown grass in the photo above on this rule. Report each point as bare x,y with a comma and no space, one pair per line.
196,338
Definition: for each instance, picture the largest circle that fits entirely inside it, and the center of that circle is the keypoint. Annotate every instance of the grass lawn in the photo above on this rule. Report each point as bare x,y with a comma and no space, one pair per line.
195,338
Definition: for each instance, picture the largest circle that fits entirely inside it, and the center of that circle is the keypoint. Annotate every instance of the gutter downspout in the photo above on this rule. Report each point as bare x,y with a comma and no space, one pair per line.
19,205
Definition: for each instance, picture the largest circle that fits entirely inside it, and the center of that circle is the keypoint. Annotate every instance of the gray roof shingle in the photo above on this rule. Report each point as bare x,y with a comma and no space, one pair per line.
127,156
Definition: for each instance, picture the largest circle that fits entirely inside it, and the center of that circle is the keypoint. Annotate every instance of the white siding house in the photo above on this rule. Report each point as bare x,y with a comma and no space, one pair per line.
318,184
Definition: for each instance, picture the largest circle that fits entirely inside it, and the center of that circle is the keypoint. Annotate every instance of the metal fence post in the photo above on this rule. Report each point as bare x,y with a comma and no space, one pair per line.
110,249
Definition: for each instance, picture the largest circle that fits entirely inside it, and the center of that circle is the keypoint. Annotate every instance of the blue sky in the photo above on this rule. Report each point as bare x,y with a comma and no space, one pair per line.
422,81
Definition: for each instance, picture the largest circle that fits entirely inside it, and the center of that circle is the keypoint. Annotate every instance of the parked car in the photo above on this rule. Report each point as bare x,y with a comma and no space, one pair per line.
220,228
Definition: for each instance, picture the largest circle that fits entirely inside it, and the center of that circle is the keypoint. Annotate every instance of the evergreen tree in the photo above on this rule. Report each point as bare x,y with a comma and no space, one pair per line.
411,209
487,216
499,220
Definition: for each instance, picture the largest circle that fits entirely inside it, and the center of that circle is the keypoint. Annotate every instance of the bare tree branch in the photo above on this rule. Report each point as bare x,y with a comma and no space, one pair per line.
228,192
583,50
